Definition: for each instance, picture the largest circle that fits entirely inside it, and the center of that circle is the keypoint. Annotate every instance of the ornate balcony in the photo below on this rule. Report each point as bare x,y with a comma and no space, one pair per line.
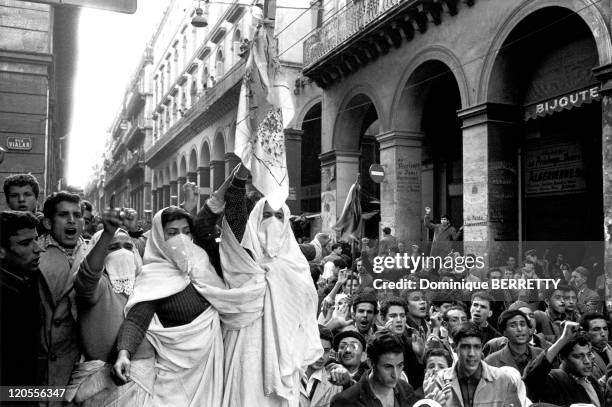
135,160
366,29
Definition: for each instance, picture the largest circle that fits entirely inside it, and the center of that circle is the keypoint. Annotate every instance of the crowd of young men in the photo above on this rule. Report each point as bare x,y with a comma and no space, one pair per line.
381,348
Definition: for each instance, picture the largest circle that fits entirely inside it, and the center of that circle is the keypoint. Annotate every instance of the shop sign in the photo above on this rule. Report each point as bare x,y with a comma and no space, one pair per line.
563,102
555,169
19,143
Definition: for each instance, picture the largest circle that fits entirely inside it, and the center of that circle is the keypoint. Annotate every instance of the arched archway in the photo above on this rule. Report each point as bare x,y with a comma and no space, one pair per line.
356,148
217,164
557,146
430,166
183,167
192,170
310,197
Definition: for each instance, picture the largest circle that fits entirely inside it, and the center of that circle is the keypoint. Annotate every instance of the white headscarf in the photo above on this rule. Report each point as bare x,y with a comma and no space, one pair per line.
122,279
169,266
290,307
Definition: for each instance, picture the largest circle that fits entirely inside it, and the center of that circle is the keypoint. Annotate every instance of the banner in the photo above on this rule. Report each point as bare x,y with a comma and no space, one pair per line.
264,111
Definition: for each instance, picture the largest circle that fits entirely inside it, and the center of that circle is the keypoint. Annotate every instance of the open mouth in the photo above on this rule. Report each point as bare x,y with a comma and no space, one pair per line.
70,232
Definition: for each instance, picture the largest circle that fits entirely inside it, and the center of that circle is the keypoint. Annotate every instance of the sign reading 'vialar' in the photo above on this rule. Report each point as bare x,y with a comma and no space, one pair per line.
19,143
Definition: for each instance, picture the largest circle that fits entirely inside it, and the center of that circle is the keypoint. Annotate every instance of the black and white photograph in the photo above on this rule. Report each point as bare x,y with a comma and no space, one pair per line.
306,203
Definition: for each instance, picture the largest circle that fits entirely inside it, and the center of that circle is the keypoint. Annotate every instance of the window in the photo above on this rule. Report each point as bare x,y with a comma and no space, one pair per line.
236,45
205,75
220,65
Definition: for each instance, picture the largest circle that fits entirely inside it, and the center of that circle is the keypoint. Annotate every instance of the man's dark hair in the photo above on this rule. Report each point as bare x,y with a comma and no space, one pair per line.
431,352
445,216
454,308
384,342
21,180
335,246
365,297
50,205
585,320
483,295
549,293
531,252
581,340
341,264
507,315
467,330
173,213
86,206
13,221
387,230
494,270
568,288
325,334
389,302
528,262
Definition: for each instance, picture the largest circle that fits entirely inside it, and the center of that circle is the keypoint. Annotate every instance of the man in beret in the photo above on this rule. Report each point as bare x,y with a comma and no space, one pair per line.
350,346
516,327
365,308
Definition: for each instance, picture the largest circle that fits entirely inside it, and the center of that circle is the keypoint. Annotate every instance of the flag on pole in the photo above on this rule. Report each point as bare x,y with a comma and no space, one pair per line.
264,111
350,224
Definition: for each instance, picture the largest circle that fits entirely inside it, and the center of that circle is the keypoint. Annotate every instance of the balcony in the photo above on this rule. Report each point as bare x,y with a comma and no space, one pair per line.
116,169
366,29
209,106
135,160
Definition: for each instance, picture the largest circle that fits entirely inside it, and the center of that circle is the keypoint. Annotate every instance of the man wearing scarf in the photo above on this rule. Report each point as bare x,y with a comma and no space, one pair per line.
103,284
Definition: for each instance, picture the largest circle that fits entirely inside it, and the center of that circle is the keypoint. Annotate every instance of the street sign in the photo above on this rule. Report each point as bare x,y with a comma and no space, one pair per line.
120,6
377,173
19,143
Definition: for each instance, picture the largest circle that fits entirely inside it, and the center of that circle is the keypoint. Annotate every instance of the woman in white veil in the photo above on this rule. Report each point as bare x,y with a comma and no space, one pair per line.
264,359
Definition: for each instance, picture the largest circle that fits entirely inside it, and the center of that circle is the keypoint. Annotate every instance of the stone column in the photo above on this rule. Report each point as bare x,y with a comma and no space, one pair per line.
604,74
217,176
204,183
490,180
293,148
338,172
400,193
179,188
173,193
166,196
160,198
147,198
231,161
192,177
154,208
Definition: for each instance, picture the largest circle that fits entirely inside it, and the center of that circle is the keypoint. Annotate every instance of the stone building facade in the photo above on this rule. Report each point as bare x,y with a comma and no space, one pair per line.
494,112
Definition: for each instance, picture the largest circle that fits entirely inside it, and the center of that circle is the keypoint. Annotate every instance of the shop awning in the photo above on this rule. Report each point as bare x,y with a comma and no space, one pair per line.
565,101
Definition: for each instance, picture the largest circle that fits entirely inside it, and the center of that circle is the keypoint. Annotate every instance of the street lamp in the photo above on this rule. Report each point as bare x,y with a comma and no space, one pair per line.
201,17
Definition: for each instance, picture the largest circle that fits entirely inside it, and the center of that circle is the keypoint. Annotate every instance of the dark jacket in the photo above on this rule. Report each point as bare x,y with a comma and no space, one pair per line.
19,327
503,357
361,395
443,236
59,335
555,386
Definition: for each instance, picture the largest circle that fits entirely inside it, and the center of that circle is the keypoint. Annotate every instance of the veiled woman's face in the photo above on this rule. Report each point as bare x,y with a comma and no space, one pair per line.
175,228
268,212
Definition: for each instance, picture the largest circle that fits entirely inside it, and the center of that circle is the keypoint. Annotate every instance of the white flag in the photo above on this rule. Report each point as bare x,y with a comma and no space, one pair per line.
264,110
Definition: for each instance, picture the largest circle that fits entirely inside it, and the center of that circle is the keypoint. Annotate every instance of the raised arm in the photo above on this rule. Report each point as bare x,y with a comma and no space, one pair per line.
86,283
428,223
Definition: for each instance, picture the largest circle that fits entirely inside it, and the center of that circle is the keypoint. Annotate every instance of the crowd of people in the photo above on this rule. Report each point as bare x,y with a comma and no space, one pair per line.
223,307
